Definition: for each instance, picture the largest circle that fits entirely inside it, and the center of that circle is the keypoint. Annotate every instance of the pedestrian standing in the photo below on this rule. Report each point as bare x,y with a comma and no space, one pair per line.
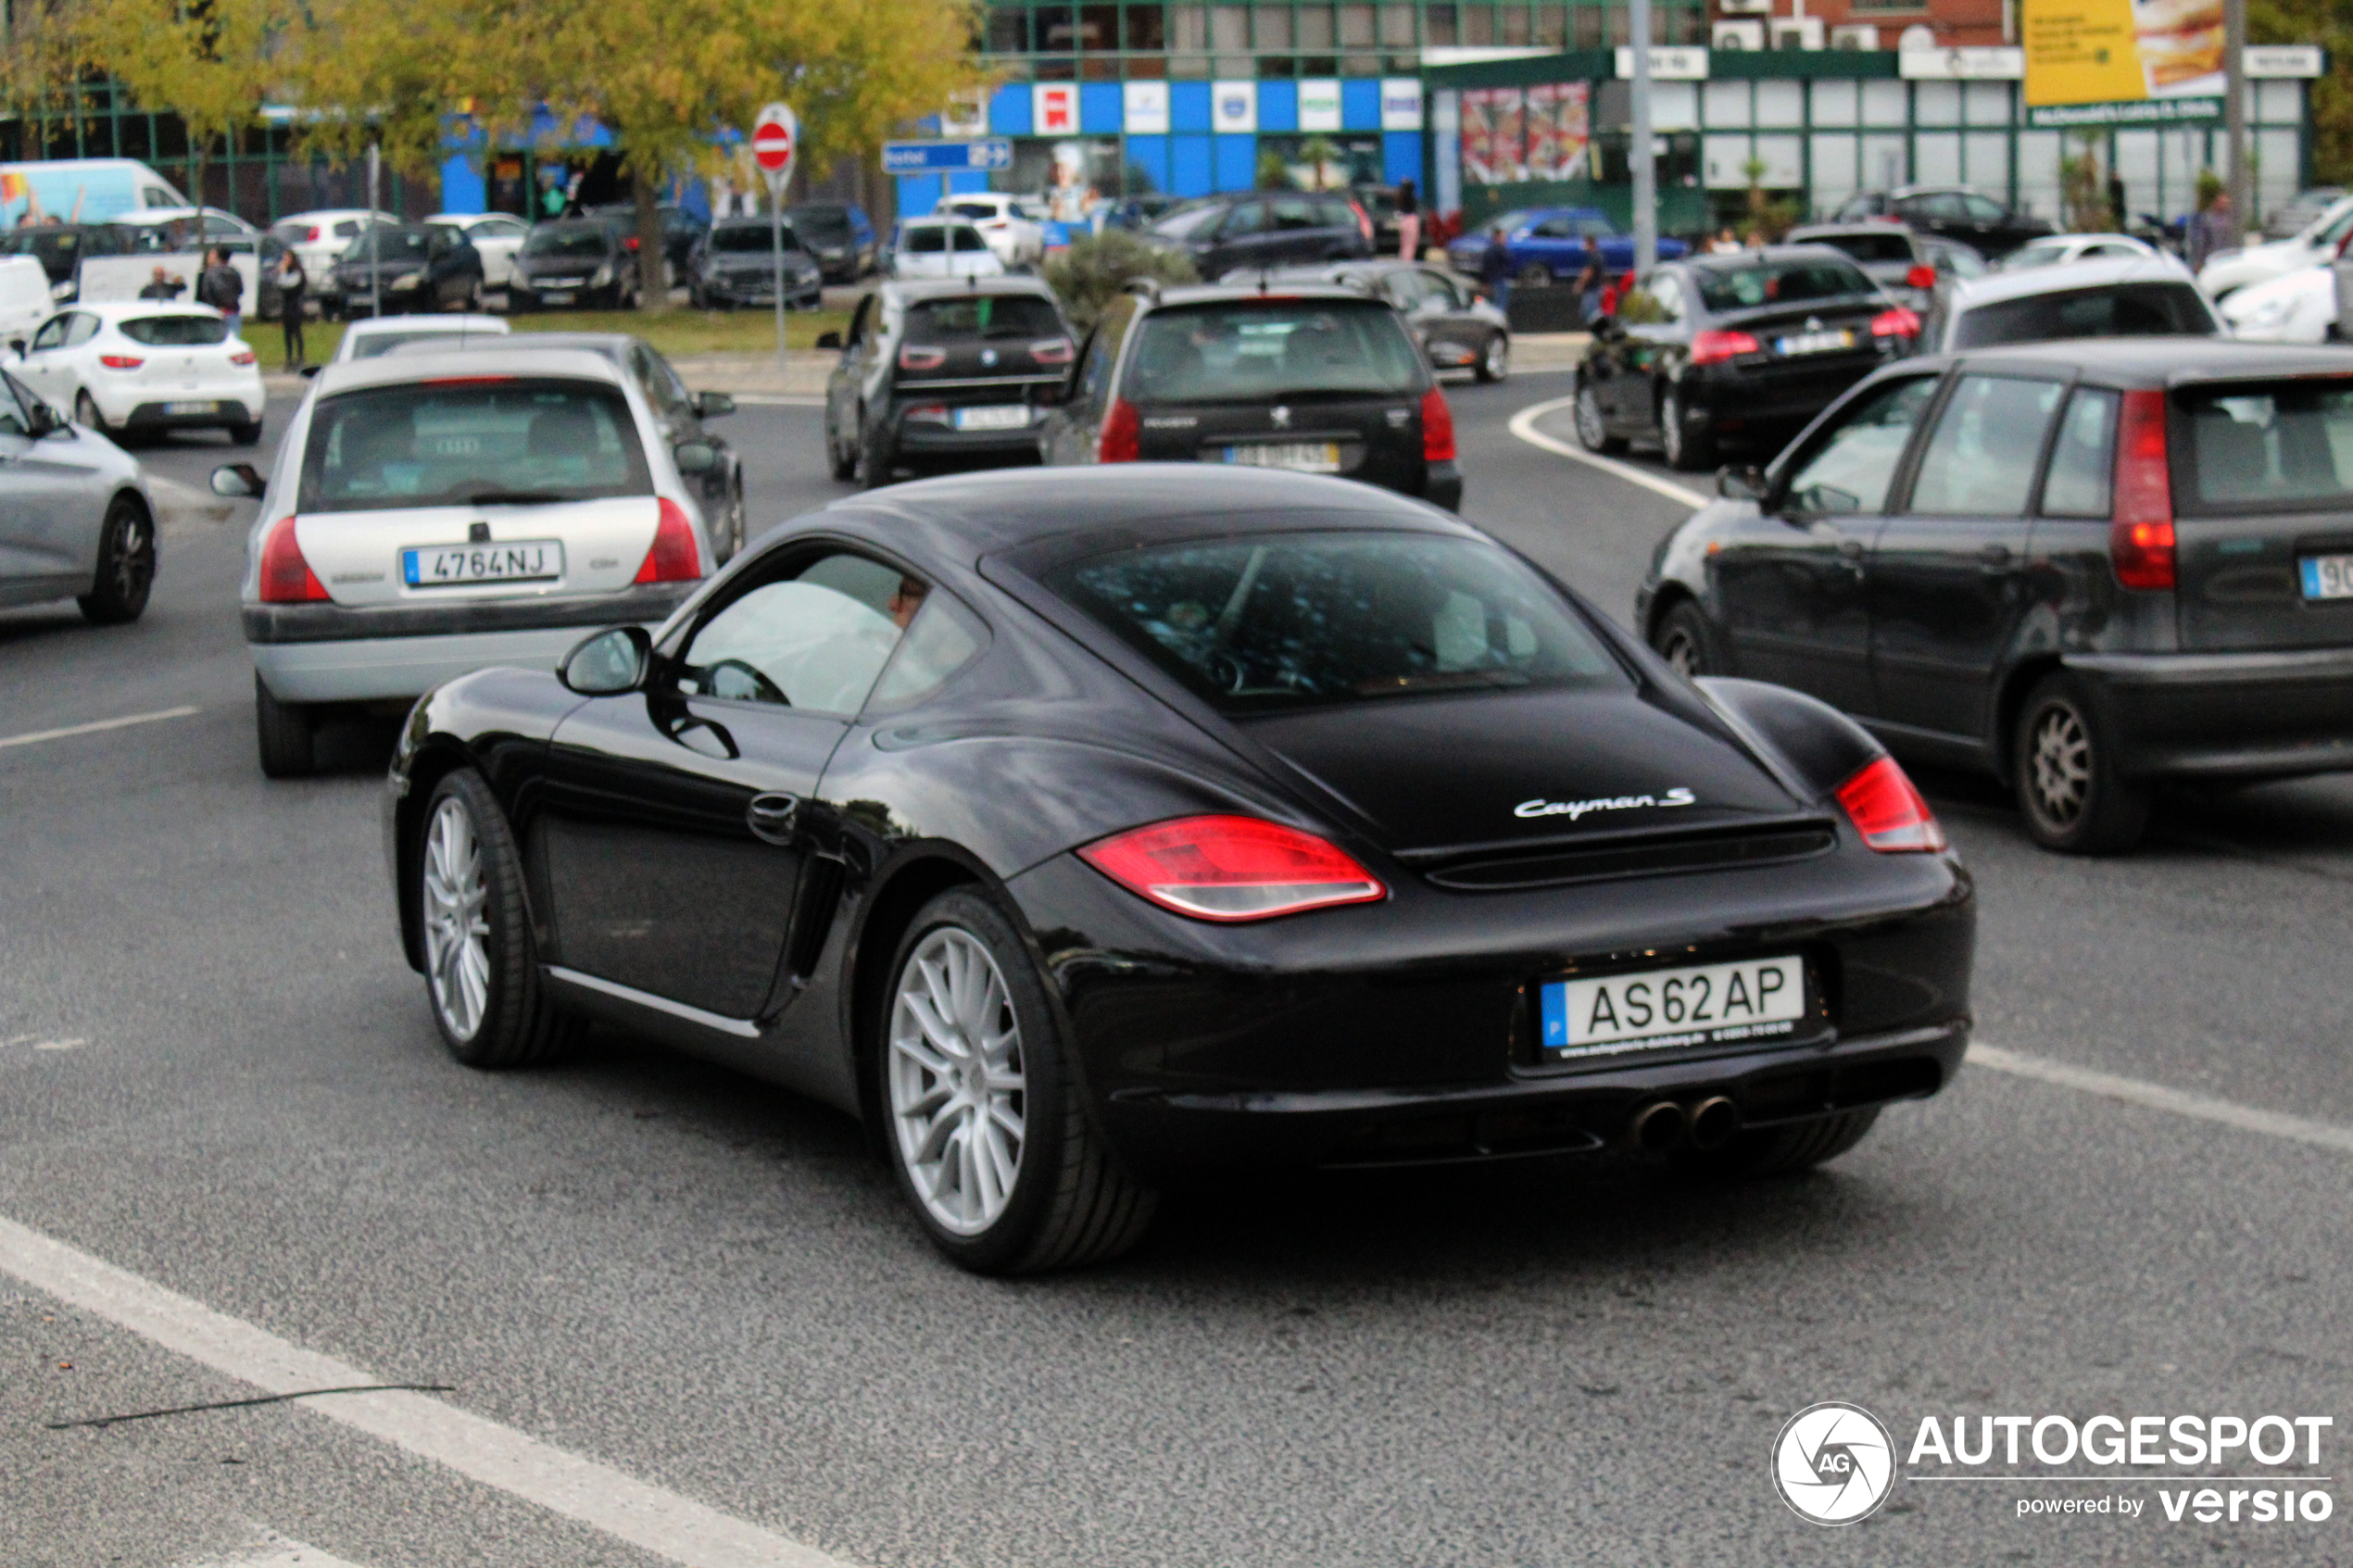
293,284
161,284
2210,231
1495,269
1588,290
221,288
1409,222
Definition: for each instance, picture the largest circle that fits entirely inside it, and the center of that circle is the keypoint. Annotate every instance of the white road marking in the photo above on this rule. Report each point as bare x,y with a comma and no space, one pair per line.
66,1045
661,1522
777,400
2156,1097
96,726
270,1549
1524,426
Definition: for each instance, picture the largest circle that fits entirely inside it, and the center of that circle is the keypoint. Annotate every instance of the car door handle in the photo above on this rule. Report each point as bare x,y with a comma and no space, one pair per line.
772,816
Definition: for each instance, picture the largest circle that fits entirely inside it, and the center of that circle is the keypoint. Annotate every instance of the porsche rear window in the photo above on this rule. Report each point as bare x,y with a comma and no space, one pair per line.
1271,623
475,440
176,332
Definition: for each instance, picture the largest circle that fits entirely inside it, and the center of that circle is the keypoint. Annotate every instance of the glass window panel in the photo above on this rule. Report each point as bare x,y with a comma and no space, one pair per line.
1397,25
1513,24
1188,27
1356,30
1273,29
1478,24
1980,460
1315,26
1886,103
1099,27
1055,29
1442,25
1585,23
1835,103
2084,459
2287,447
1986,103
1229,28
1780,103
1850,470
1552,25
1148,27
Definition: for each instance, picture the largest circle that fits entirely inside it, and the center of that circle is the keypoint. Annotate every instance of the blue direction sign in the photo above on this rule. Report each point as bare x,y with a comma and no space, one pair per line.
947,158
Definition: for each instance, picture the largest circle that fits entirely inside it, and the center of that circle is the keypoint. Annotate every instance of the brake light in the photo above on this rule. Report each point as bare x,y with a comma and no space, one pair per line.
673,557
914,358
1232,868
1052,351
2140,540
1438,427
1888,811
1898,322
243,357
121,361
310,235
629,244
930,413
1921,276
1713,347
1123,437
286,578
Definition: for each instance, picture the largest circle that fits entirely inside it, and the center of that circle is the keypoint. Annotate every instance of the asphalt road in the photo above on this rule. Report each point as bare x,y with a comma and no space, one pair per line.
217,1075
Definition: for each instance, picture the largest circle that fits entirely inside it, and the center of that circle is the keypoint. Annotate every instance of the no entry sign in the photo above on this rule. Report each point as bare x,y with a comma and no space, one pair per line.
775,142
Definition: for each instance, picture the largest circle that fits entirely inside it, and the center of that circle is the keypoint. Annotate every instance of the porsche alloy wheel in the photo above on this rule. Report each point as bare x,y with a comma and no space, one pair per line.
984,1125
959,1093
457,927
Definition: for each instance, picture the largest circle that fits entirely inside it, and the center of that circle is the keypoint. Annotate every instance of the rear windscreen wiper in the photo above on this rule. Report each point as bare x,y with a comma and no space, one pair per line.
513,497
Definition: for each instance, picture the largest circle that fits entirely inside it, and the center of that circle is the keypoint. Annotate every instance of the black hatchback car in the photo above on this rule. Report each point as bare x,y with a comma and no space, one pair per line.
2085,567
409,267
945,373
583,262
1084,834
1746,347
734,262
1314,379
1264,229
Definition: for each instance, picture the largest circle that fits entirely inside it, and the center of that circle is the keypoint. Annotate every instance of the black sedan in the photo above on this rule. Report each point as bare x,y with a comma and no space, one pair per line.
582,262
939,374
2085,567
1318,380
735,264
1722,348
1087,833
403,269
1951,212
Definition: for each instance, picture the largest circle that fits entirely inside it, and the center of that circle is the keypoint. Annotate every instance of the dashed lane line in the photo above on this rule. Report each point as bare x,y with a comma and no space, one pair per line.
1524,426
95,725
661,1522
271,1550
2156,1097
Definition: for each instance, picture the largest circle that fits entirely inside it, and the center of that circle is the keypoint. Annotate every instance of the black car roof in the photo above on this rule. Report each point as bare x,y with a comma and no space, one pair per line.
967,517
2154,362
933,288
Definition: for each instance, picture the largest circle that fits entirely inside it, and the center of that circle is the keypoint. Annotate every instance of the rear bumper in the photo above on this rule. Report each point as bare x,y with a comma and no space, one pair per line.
921,438
326,653
2226,715
224,411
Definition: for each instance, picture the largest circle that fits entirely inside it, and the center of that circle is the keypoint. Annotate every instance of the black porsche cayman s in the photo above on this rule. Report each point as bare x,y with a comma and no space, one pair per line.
1088,832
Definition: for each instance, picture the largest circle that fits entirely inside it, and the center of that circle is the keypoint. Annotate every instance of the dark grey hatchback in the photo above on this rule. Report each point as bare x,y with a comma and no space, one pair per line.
2086,567
1312,379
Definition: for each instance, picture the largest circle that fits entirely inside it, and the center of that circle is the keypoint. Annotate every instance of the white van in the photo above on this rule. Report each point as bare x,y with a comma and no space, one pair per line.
24,297
81,190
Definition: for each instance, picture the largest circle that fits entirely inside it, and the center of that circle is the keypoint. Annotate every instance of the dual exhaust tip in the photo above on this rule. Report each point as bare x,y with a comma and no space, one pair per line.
1663,1124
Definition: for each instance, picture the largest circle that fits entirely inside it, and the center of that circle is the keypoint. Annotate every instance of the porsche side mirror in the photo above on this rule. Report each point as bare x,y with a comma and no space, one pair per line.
1742,483
237,479
710,405
694,457
609,663
829,340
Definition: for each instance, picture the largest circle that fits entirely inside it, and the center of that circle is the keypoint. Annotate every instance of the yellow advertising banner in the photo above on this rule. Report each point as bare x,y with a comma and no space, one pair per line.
2122,61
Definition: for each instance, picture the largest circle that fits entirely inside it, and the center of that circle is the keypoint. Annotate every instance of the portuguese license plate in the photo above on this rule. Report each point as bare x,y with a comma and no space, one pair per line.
1308,457
201,406
2327,577
1814,343
1013,416
525,560
1660,1009
555,296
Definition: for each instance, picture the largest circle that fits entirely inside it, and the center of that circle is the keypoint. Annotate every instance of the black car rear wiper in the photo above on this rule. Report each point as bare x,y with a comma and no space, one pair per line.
514,497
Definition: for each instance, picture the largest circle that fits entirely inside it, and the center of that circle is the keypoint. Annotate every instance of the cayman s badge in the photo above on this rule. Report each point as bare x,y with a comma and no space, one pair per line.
1572,809
1280,415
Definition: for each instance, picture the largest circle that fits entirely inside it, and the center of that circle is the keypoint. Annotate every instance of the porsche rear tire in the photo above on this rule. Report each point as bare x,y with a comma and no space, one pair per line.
482,972
986,1130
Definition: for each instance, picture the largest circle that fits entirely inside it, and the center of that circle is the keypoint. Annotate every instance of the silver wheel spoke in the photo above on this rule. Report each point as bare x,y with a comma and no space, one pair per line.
456,926
956,1081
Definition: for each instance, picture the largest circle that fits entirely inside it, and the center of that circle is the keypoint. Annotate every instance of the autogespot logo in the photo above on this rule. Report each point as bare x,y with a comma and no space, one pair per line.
1834,1463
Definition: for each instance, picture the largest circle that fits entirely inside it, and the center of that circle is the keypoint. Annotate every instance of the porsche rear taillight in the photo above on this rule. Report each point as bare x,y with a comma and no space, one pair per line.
1438,427
2140,539
672,557
1123,437
286,578
1888,811
1232,868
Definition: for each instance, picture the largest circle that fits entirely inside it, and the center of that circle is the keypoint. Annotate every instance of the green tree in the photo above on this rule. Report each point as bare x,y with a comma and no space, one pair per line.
208,61
1094,273
2328,23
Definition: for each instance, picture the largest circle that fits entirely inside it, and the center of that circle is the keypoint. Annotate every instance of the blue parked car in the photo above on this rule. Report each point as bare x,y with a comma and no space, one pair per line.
1549,243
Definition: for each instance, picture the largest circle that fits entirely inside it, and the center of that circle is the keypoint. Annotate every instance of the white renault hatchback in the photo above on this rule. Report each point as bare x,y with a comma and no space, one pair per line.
431,514
140,366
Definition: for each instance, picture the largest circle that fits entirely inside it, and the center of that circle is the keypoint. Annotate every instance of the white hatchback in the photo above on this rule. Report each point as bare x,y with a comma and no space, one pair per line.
141,367
374,335
1006,222
942,248
431,514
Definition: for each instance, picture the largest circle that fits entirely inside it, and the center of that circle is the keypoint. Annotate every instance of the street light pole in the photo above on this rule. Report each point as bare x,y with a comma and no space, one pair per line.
2234,116
1644,165
375,250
